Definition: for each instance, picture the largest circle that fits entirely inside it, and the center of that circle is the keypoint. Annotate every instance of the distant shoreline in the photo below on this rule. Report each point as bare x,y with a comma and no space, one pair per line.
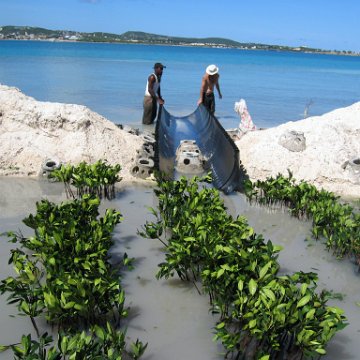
187,45
10,32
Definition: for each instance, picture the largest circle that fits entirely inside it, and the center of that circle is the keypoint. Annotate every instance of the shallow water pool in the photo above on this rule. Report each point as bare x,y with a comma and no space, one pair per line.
168,314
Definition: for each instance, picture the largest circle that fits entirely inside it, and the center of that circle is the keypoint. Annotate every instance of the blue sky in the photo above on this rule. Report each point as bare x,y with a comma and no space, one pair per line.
327,24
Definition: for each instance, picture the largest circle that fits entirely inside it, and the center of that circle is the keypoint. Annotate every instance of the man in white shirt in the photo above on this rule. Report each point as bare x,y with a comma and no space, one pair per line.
153,94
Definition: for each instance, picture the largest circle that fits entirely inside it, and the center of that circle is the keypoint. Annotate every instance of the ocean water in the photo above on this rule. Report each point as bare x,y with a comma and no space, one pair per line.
110,79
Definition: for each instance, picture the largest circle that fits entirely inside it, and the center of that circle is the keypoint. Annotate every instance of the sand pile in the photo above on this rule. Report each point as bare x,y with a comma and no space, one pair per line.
32,131
330,160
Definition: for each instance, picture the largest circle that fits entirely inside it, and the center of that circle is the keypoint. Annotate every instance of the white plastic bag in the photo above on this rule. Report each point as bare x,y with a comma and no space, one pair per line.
246,124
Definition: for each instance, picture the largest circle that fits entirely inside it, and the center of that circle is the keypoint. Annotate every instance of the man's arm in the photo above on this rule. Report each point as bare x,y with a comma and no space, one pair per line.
160,99
202,90
218,88
151,80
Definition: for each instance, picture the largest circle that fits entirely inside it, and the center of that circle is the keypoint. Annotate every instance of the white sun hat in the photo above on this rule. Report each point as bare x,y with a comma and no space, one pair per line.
212,69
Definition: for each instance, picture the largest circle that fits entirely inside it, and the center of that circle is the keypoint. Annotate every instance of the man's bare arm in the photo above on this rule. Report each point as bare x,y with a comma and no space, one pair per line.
160,99
218,88
151,81
202,90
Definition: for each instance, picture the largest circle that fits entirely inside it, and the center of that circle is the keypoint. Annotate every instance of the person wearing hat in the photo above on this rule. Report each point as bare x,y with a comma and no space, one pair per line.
209,81
153,94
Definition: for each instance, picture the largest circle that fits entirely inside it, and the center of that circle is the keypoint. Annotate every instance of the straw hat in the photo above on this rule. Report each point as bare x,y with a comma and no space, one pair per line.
212,69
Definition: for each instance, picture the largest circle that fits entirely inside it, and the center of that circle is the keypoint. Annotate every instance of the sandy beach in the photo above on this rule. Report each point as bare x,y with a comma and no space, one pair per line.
32,132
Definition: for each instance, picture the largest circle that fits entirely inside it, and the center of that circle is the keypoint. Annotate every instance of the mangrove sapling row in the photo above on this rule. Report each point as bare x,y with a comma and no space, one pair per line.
64,273
97,179
99,342
283,318
262,315
72,245
189,214
338,223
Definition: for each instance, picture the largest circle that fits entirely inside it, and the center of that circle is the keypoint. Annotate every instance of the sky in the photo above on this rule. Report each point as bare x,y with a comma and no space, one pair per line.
325,24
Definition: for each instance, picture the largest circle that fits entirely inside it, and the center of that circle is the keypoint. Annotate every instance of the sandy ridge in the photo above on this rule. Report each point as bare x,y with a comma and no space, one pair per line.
332,140
32,131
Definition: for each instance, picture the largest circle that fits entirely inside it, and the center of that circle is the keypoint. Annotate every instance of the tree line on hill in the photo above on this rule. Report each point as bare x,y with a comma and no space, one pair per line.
37,33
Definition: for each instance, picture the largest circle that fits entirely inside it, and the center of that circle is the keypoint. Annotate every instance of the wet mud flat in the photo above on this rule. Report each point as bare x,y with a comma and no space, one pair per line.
169,314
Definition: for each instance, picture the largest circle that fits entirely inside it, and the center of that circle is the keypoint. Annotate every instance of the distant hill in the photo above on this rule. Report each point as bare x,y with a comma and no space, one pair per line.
154,38
26,32
36,33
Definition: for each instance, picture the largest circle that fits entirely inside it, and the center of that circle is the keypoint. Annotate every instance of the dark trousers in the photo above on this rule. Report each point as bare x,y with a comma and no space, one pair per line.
150,107
209,102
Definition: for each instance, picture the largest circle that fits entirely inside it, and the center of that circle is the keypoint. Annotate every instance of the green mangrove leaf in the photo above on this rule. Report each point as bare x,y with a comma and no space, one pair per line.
18,351
252,324
310,314
303,288
225,267
277,248
4,348
100,333
264,269
69,305
189,238
73,343
25,307
269,293
64,344
303,301
79,307
49,300
321,351
252,286
35,242
220,273
335,310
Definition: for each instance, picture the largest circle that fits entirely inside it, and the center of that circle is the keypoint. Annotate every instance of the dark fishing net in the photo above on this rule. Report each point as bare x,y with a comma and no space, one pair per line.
221,153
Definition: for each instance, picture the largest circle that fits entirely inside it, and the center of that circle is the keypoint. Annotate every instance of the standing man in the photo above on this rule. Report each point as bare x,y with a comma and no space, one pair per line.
209,81
153,94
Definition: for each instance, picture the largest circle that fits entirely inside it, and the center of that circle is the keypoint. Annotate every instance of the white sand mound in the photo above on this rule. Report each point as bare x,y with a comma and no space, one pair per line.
32,131
332,140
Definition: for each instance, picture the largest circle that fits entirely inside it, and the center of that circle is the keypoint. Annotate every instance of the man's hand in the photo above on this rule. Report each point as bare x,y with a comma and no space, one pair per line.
161,101
199,102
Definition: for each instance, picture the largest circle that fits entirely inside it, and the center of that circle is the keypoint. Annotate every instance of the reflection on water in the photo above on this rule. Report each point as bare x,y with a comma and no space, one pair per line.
168,314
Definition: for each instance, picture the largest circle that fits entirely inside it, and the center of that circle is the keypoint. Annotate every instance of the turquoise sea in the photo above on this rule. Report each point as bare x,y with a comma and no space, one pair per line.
110,79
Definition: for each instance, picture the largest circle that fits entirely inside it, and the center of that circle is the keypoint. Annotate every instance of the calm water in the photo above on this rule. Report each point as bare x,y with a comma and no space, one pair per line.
110,79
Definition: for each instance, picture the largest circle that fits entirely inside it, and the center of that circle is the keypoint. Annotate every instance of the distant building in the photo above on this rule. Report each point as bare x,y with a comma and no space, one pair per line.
71,37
